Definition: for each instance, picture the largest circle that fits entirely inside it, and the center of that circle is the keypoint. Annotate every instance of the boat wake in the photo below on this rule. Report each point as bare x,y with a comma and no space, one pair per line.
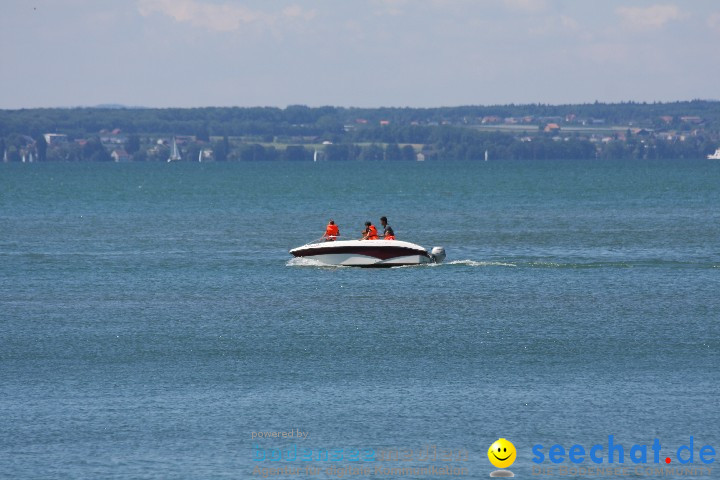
309,262
475,263
540,264
589,264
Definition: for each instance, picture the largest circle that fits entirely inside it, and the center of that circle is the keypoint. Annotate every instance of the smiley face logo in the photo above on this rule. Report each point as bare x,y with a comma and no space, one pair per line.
502,453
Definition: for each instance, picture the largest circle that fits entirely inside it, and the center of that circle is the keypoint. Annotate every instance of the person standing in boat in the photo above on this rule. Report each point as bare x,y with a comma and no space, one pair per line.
370,232
388,233
331,232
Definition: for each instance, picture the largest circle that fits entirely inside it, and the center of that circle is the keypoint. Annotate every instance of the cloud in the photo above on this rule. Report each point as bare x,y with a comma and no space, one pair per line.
390,7
569,23
713,21
648,18
528,6
605,52
296,11
562,25
221,17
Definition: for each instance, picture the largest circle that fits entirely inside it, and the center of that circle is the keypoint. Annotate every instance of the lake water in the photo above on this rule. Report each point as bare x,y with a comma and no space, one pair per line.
151,318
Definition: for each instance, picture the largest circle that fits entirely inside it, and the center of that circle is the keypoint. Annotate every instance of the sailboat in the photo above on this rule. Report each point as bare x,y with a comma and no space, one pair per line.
316,155
200,156
486,155
174,152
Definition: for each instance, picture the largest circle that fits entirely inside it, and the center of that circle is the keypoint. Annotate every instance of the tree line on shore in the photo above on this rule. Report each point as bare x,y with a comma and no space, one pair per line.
300,133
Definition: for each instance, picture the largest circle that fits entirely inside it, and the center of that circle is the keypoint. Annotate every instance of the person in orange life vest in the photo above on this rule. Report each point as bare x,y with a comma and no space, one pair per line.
331,232
370,232
388,233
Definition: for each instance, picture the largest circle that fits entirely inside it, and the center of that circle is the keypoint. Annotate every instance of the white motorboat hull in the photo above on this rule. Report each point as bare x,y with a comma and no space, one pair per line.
365,253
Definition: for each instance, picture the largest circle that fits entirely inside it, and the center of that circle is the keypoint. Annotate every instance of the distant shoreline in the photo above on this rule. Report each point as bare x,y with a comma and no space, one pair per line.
299,133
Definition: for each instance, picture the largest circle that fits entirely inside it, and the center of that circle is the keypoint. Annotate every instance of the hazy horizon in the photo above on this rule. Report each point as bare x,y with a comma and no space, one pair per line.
350,107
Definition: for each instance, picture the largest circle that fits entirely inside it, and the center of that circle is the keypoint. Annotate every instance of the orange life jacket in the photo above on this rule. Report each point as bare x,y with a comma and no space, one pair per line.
332,231
372,233
389,237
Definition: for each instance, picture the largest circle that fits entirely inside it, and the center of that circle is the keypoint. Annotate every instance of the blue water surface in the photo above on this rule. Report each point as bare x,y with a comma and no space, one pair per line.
151,318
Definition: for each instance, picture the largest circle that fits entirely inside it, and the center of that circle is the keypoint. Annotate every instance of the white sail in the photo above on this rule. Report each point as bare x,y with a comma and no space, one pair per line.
174,152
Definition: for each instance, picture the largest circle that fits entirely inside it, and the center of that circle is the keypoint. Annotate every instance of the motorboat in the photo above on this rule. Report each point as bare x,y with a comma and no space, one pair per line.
714,156
368,253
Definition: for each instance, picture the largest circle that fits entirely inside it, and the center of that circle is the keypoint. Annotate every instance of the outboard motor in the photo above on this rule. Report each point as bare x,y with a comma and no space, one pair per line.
438,254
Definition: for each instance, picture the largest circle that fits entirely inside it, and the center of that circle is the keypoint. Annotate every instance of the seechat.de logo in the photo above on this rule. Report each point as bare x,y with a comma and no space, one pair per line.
502,454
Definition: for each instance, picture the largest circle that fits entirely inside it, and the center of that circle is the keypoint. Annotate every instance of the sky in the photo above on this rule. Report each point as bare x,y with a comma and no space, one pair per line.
356,53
